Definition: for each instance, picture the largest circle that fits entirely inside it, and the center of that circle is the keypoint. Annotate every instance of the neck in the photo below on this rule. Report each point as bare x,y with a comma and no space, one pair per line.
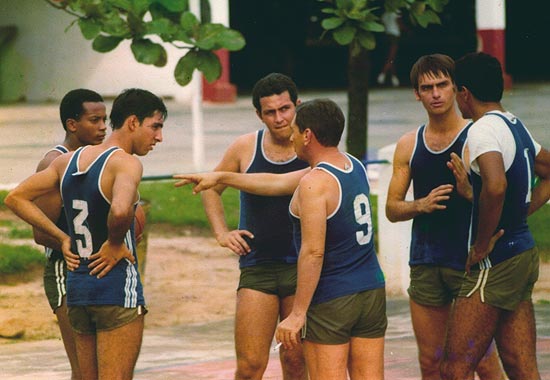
481,109
327,154
445,122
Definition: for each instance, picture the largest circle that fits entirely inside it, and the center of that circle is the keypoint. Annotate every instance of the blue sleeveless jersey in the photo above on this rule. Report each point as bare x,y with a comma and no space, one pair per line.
86,209
520,180
441,237
350,264
267,217
61,221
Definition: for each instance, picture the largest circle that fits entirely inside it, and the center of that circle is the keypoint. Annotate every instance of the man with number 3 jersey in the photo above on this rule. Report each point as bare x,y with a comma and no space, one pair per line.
99,190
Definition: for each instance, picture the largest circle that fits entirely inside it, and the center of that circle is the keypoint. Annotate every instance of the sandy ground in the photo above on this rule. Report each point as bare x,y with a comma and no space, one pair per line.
188,279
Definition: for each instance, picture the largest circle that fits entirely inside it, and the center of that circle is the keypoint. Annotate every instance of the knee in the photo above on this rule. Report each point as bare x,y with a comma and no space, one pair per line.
250,368
293,364
429,365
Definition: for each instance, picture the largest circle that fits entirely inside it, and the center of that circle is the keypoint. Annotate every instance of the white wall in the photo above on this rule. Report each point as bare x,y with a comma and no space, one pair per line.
56,61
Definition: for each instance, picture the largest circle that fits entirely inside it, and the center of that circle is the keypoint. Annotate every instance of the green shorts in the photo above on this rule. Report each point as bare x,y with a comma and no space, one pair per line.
434,285
272,278
91,319
359,315
506,284
55,282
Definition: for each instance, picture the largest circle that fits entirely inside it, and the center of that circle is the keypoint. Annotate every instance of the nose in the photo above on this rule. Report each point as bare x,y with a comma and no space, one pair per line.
279,116
436,92
158,136
102,126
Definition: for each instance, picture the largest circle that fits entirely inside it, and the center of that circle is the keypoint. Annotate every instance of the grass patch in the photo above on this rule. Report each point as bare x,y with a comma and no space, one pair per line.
179,207
19,258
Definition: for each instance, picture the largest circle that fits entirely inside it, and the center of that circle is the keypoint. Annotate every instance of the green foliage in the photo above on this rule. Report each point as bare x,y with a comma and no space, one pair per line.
108,22
3,194
538,224
354,22
18,258
178,206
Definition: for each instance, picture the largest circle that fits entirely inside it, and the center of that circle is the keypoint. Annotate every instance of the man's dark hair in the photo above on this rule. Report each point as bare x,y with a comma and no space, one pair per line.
138,102
273,84
71,106
481,74
432,65
324,118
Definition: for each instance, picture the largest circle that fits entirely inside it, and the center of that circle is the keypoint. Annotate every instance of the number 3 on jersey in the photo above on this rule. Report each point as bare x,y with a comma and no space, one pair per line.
84,250
361,208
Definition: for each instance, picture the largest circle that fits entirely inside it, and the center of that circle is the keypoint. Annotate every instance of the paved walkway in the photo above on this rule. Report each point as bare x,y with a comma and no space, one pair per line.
205,352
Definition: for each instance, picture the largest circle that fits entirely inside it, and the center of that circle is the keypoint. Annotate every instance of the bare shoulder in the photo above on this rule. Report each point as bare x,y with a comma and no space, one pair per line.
317,181
48,158
238,154
404,147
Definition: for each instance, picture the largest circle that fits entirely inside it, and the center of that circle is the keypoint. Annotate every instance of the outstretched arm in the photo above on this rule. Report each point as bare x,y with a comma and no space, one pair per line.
255,183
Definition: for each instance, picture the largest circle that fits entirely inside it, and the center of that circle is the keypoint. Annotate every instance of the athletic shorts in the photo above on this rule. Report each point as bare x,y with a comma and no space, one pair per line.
55,282
433,285
272,278
359,315
506,284
95,318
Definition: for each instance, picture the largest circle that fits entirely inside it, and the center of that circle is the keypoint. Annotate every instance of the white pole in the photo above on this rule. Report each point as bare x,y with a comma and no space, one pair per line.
196,107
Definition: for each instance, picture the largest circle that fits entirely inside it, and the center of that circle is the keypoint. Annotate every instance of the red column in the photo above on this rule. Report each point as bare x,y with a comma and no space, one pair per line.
491,25
221,90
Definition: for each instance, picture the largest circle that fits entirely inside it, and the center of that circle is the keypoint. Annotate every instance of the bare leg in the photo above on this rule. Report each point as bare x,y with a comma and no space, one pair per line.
87,355
430,325
68,337
516,340
469,333
489,368
292,361
366,359
118,350
326,362
255,322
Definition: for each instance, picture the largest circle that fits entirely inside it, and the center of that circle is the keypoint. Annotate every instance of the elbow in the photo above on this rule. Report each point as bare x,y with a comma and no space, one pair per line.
10,201
121,213
390,215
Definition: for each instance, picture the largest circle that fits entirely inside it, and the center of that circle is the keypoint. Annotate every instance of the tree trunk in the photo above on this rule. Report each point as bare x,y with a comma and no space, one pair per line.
358,77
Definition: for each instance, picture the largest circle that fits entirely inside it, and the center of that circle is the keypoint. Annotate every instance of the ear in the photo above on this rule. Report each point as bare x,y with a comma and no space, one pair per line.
71,125
259,114
416,95
298,102
308,136
132,122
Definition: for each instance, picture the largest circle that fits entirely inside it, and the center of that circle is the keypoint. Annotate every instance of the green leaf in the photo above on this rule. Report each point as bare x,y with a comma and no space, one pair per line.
161,26
426,18
372,26
90,28
183,73
209,64
418,8
104,44
174,5
344,35
332,23
329,11
355,49
148,52
231,39
208,36
181,35
189,22
114,25
366,40
437,5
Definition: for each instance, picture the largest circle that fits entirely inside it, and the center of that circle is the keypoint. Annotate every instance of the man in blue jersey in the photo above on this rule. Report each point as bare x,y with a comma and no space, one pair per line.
340,304
264,239
440,210
503,263
83,115
99,190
